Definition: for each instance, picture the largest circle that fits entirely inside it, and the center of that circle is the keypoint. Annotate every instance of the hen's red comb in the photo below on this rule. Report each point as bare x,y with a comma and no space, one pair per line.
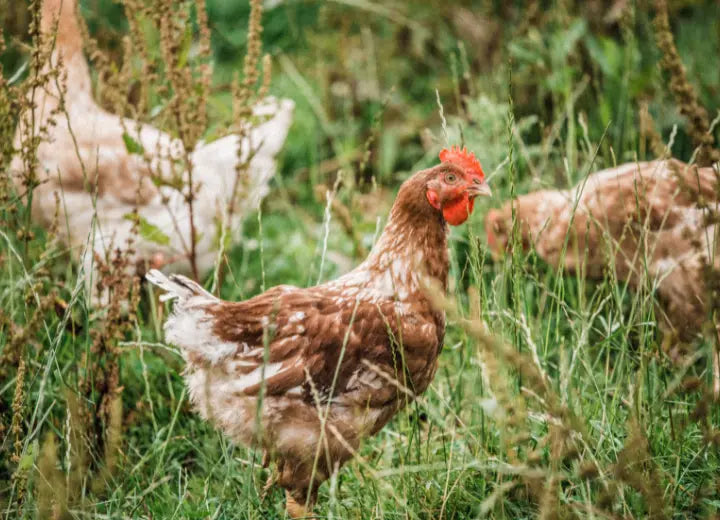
463,159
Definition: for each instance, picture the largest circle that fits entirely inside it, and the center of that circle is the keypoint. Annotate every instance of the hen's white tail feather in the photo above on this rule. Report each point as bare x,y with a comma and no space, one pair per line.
190,326
176,286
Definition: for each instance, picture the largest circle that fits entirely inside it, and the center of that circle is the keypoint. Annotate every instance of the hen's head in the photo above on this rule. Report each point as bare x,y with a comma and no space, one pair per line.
452,186
444,193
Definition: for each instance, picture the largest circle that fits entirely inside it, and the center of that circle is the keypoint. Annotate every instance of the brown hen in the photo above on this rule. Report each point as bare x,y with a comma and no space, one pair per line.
346,354
647,222
642,219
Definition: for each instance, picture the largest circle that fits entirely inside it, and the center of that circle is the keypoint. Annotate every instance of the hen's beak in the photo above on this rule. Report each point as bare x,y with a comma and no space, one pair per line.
479,189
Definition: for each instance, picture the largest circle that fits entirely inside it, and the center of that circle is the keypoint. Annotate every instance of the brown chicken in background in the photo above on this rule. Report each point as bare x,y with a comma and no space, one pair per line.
346,354
650,221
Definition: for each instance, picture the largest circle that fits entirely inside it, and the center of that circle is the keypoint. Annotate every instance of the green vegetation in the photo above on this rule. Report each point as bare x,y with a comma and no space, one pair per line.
565,404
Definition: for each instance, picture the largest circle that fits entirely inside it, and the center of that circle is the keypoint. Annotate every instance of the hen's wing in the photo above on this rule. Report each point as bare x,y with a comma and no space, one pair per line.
103,166
304,338
310,343
651,194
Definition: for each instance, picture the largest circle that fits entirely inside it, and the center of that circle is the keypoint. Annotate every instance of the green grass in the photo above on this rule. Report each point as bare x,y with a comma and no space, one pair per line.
617,429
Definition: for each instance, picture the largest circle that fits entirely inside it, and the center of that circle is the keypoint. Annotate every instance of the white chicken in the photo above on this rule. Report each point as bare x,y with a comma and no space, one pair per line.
100,183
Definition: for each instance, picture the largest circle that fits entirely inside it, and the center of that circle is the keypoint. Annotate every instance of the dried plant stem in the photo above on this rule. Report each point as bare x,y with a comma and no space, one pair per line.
20,475
243,98
648,131
682,89
189,199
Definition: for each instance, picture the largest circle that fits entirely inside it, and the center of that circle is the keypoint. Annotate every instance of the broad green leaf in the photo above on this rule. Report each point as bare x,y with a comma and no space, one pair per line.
148,231
131,145
28,459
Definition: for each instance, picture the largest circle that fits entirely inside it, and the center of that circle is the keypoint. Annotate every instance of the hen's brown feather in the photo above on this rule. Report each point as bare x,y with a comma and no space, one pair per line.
312,329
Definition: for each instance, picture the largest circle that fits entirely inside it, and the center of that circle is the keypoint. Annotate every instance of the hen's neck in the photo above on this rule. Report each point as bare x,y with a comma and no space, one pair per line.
59,21
413,245
419,248
61,26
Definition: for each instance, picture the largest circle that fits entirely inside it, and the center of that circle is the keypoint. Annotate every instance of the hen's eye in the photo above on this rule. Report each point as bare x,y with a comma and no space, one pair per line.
450,178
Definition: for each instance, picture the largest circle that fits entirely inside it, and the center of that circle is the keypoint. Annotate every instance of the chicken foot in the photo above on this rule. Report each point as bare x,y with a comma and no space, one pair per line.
296,510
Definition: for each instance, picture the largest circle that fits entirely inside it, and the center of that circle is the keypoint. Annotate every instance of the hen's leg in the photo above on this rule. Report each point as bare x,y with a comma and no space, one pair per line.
296,510
265,459
295,477
274,474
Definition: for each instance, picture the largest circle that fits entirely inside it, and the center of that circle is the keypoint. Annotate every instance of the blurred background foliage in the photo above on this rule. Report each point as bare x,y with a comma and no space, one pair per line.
364,76
358,68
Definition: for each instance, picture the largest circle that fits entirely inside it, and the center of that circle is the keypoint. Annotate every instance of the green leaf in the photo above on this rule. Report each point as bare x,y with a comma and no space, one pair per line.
18,73
184,52
131,145
147,230
28,459
220,242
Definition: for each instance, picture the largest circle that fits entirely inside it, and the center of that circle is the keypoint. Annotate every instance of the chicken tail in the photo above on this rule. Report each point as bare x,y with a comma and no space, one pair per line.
176,286
190,326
